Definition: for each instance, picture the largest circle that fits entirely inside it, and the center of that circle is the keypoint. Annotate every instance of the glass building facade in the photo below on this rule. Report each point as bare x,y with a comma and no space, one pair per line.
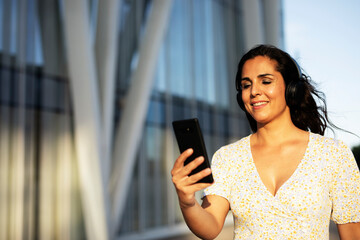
58,160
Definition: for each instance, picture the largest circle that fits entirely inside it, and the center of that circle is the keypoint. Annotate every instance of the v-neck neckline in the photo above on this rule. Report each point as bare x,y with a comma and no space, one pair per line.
293,175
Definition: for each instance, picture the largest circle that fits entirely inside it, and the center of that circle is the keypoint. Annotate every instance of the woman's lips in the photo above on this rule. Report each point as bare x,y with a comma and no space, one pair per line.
257,105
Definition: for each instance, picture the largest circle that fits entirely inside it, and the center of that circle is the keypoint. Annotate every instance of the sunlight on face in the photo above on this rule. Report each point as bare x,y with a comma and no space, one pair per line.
263,90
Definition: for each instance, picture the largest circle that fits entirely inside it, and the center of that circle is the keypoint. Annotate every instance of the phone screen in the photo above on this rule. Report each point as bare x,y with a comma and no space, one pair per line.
188,135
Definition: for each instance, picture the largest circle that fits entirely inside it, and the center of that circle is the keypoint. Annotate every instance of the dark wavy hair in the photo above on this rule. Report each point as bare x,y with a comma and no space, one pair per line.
300,92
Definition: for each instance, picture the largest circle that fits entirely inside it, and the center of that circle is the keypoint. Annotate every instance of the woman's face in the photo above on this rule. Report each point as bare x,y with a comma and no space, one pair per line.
263,91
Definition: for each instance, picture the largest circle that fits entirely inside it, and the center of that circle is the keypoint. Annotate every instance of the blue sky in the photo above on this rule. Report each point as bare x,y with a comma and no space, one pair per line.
324,37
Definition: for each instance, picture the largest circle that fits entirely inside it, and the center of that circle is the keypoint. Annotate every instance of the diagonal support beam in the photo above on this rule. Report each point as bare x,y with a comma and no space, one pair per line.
84,87
134,113
106,48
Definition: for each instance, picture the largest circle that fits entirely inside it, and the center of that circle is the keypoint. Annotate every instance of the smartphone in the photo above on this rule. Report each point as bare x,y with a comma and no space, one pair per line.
188,135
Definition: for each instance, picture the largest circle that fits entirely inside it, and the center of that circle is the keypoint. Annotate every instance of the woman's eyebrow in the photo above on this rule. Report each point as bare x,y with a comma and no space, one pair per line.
259,76
265,75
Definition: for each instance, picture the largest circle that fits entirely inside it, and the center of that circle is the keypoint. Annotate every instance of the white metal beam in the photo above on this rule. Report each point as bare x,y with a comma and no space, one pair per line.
17,140
6,132
253,23
135,109
106,49
84,87
56,158
272,23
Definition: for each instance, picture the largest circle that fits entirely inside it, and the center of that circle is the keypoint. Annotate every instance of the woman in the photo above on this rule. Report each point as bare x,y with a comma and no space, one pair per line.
284,181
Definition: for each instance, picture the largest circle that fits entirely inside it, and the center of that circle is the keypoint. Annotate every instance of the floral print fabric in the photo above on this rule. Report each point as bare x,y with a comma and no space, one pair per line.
325,185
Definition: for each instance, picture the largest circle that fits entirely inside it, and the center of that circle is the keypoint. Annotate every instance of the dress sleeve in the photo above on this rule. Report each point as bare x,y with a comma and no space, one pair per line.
220,170
345,187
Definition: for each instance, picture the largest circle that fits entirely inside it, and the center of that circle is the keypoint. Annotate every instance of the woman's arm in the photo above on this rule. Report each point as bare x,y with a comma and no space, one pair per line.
349,231
205,221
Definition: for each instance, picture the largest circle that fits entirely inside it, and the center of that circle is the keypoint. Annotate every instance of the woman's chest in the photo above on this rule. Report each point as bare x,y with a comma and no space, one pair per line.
276,165
305,194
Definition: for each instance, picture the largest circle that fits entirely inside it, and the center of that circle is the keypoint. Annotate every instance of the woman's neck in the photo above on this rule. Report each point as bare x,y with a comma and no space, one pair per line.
275,134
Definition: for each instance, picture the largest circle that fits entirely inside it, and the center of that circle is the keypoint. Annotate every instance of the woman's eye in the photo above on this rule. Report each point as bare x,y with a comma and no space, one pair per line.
266,82
245,85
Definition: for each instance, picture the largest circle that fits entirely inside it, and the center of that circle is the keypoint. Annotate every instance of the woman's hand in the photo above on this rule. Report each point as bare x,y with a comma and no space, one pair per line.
186,185
204,221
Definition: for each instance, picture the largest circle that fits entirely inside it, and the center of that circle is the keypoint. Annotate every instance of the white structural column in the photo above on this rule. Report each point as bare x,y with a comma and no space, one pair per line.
134,112
106,49
17,141
272,23
253,23
84,89
5,132
56,155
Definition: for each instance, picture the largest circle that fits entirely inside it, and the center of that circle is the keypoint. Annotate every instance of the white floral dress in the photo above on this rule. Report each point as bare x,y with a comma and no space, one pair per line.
325,185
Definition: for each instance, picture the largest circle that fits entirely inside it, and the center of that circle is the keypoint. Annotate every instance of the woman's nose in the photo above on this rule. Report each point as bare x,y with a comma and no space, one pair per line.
255,89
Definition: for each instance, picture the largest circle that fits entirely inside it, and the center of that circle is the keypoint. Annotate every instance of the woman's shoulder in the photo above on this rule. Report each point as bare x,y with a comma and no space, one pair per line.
330,148
235,149
232,154
238,145
327,142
